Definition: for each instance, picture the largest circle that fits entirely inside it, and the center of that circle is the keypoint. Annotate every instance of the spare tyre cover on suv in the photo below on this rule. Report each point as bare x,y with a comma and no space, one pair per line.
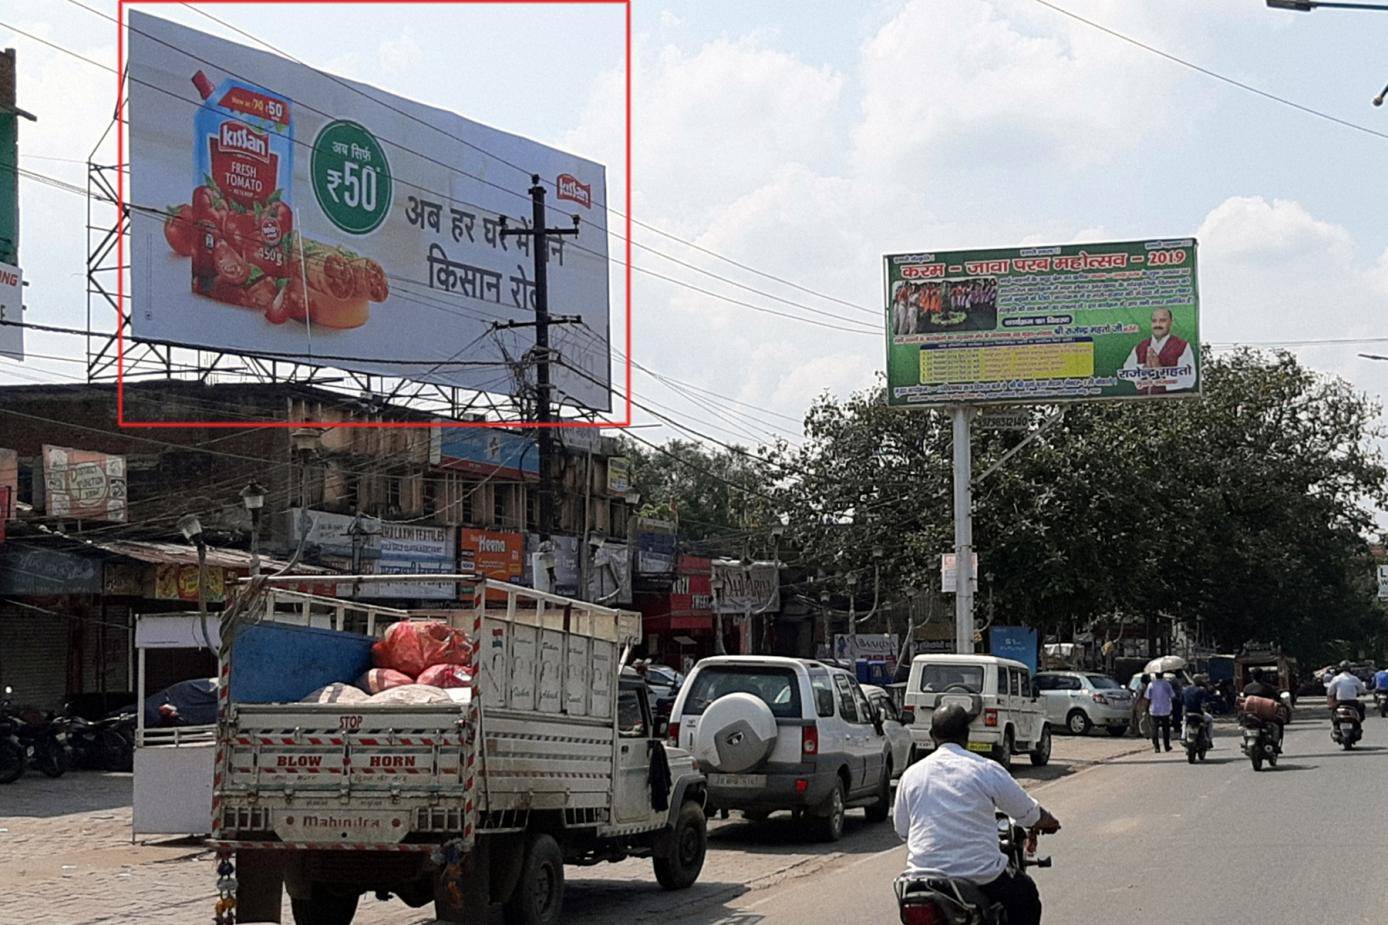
736,733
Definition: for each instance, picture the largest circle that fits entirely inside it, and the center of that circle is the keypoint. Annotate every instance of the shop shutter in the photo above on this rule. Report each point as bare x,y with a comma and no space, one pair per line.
33,657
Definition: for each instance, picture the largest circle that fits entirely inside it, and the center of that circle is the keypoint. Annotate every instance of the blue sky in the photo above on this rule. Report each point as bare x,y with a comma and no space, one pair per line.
805,139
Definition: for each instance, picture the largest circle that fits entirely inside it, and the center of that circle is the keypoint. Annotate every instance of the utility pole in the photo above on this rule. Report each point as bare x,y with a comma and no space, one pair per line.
963,531
539,236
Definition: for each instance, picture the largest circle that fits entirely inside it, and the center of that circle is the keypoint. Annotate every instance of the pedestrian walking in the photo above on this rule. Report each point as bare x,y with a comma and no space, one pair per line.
1140,705
1160,698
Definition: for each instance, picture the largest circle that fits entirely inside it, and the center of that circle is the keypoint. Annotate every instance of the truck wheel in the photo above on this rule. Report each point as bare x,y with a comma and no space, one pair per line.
324,908
828,826
539,895
880,810
690,844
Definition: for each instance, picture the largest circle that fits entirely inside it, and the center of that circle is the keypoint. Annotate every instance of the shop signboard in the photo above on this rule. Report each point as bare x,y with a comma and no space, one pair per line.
874,646
279,210
383,548
11,311
742,587
691,593
1043,324
656,543
618,475
495,454
37,572
83,484
495,554
177,582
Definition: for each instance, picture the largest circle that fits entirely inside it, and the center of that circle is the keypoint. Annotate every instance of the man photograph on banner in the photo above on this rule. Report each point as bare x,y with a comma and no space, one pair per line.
1165,359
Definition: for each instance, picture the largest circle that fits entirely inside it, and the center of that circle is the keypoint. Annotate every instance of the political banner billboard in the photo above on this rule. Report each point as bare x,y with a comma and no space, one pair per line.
284,212
1020,325
83,484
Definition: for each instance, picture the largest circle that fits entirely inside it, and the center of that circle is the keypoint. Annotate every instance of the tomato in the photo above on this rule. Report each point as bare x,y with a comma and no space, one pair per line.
179,230
261,294
206,238
230,265
241,232
278,312
228,292
283,216
204,200
294,303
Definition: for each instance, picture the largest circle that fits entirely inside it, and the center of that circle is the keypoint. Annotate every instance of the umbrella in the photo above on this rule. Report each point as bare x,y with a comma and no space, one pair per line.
1165,663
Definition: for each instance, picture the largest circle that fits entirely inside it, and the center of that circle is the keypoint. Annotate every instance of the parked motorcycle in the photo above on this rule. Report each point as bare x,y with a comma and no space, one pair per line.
43,738
103,745
12,755
1195,736
1345,726
926,900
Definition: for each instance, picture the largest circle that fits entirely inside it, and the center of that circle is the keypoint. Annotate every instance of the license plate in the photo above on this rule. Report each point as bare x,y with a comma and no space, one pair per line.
1347,727
750,781
980,746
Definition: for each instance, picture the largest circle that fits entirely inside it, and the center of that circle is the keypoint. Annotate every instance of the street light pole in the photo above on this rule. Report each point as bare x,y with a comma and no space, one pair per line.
253,496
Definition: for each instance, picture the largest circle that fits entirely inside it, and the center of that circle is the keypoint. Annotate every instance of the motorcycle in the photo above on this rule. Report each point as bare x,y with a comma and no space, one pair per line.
927,900
13,759
43,738
1381,701
1260,741
1195,736
105,744
1345,726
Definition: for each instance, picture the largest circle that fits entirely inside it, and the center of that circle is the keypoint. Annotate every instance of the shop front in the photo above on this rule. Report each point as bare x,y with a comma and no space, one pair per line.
678,624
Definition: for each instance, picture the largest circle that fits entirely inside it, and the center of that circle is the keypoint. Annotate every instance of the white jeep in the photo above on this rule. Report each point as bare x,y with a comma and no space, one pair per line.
1008,719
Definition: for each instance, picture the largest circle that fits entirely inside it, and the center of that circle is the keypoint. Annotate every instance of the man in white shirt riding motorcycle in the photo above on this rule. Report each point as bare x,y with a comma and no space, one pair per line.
1345,687
945,810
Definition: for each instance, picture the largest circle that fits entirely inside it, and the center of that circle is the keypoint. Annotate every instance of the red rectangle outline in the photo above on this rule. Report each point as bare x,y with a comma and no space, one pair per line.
385,425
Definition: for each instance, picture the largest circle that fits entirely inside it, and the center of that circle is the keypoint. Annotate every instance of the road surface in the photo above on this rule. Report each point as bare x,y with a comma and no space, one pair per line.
1150,839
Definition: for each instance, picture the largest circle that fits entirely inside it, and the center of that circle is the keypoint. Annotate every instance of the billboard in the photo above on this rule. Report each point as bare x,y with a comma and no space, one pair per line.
877,646
489,452
11,311
1015,642
656,542
83,484
493,553
281,211
618,475
1043,324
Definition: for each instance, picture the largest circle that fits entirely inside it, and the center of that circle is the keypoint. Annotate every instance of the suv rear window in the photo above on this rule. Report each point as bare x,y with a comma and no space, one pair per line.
778,688
935,678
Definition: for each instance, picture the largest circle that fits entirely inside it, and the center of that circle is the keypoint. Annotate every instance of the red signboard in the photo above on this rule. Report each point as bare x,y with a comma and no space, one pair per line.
492,553
692,592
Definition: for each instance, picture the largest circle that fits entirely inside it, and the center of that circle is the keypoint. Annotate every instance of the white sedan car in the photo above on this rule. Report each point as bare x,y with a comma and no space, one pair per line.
897,735
1080,700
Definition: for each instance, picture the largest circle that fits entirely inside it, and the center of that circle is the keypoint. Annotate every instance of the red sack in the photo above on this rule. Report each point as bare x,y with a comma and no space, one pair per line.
382,679
412,646
446,676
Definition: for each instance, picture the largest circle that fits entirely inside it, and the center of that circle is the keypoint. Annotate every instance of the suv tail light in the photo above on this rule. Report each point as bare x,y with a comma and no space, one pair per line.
674,732
990,717
926,913
809,740
908,716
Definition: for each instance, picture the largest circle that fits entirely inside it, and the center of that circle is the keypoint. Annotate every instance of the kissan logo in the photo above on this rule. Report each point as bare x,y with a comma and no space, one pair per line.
237,136
574,191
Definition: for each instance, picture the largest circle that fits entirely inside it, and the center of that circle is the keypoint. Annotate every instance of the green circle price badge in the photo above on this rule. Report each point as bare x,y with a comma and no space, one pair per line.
351,177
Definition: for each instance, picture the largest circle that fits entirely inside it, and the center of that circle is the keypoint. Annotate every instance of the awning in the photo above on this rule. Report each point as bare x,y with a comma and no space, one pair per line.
177,554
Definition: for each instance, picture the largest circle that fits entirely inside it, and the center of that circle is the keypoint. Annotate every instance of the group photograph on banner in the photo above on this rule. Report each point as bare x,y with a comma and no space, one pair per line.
1061,323
280,211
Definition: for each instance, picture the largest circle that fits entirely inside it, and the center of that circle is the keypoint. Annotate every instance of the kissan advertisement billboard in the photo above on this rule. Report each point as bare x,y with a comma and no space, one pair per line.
280,211
1043,324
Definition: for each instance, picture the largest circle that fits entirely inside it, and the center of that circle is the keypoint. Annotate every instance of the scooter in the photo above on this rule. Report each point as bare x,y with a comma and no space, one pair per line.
1260,741
1345,726
1381,701
1195,736
925,900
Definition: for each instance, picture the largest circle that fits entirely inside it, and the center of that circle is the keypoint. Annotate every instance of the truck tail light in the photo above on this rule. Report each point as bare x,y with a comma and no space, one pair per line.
809,740
990,717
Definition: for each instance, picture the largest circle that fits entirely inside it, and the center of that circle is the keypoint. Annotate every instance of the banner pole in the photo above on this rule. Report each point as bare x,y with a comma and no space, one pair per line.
963,531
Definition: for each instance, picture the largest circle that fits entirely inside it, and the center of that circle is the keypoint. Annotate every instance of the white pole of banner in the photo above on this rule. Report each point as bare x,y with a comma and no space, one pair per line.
963,531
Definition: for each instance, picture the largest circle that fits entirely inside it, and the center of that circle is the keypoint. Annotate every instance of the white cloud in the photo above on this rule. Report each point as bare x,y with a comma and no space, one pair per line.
1252,228
400,54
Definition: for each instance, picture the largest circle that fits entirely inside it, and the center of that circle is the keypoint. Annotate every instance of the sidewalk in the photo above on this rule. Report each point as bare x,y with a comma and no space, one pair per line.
66,857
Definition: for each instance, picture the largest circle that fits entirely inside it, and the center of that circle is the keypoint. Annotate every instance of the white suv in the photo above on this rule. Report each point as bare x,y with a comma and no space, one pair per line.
777,733
1007,717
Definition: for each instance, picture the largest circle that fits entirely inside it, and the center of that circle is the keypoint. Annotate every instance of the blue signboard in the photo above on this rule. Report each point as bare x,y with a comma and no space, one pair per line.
1015,642
487,452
